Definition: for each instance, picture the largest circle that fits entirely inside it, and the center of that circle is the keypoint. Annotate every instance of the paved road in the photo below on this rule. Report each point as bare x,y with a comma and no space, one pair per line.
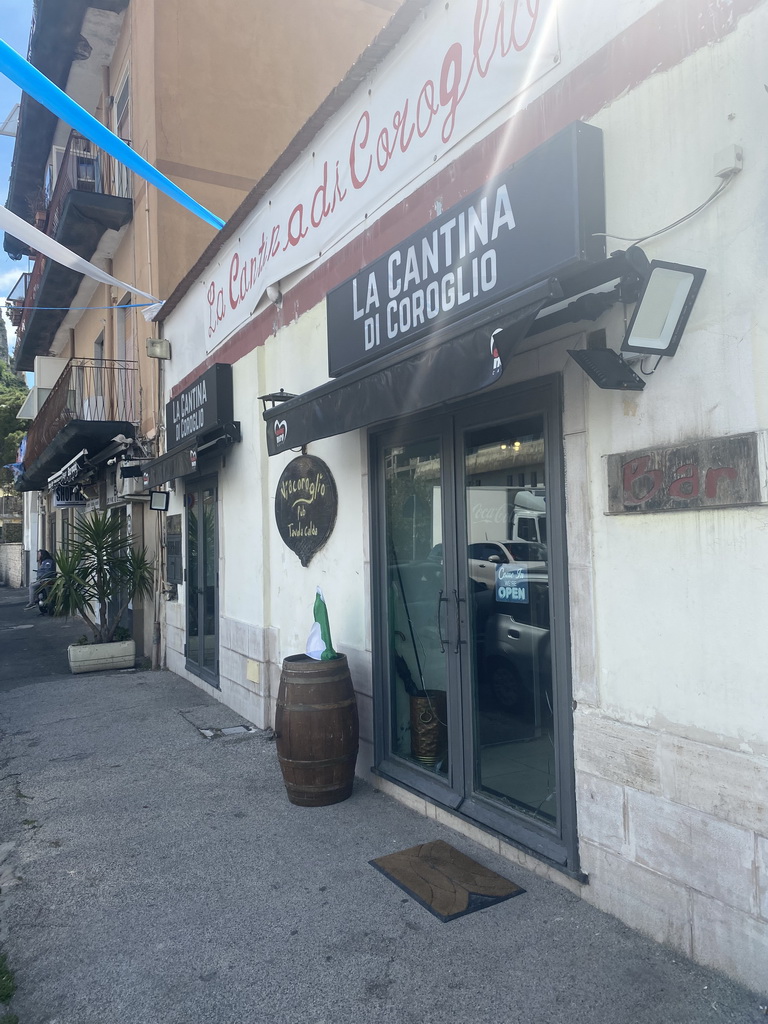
32,646
149,875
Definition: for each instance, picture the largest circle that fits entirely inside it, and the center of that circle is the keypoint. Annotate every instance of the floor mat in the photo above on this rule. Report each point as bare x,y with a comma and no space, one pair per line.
444,880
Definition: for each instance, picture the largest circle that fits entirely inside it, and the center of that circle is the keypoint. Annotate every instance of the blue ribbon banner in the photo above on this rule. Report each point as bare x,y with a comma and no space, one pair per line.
35,84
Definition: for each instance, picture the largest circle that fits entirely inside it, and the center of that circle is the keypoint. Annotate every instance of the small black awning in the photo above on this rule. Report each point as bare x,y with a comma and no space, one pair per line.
91,435
193,458
444,369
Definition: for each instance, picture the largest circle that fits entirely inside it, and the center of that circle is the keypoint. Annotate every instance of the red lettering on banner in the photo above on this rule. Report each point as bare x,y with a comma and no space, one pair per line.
234,268
321,193
296,231
338,192
427,95
357,181
450,83
494,36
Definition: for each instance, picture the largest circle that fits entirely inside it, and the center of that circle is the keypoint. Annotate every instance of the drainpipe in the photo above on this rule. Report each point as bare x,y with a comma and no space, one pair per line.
109,323
159,427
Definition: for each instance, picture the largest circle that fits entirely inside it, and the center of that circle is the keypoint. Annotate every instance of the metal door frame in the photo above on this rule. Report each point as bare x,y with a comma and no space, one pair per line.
543,397
196,485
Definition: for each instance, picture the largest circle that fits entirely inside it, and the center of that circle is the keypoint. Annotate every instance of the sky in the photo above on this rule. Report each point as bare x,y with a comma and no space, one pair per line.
15,23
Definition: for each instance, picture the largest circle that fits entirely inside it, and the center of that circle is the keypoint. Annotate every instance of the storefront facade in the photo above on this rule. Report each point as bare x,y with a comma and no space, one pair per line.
518,563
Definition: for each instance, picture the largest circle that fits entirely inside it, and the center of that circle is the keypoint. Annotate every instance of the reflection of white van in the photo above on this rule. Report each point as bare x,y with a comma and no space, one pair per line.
529,518
506,514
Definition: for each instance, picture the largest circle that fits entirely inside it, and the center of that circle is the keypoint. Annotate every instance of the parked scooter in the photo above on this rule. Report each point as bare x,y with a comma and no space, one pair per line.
45,576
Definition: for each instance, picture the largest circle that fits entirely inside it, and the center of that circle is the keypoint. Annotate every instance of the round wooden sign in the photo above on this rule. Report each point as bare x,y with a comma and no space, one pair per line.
306,503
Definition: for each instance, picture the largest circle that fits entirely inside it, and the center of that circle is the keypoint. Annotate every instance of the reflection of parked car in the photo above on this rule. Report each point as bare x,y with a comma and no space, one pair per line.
527,551
517,648
484,556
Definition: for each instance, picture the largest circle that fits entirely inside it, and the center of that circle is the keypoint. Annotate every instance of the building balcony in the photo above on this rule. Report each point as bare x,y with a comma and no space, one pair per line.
90,197
91,404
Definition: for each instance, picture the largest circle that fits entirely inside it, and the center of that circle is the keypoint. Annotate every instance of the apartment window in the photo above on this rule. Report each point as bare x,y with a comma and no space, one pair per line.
123,131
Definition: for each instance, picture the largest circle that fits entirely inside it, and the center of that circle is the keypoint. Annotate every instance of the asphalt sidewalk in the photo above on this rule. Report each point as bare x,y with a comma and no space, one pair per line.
150,874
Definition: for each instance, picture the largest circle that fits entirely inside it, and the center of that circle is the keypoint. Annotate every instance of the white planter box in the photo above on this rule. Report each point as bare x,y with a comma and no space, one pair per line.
102,657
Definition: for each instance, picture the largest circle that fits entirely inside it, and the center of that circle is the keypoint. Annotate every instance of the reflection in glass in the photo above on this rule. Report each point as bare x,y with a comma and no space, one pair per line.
507,564
192,569
417,609
209,578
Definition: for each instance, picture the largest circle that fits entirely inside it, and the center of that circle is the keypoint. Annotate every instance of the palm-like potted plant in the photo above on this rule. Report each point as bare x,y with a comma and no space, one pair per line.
97,577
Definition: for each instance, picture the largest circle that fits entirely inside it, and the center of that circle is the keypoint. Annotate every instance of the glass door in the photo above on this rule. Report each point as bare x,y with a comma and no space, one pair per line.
419,606
202,647
505,527
475,715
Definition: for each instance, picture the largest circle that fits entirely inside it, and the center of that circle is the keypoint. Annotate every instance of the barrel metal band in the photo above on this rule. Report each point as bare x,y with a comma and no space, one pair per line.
320,764
316,707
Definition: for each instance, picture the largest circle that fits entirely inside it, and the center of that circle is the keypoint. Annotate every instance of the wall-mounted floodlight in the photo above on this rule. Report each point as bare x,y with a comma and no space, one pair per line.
663,309
664,304
158,500
158,348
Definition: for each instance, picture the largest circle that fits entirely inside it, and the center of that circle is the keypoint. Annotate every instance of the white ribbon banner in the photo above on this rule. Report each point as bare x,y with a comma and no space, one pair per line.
59,253
455,69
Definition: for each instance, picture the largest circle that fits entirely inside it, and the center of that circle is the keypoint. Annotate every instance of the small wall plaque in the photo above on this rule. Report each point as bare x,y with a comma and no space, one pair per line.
711,473
306,503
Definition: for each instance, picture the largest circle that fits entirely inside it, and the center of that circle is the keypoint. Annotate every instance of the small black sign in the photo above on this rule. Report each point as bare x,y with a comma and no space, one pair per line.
306,503
544,216
201,407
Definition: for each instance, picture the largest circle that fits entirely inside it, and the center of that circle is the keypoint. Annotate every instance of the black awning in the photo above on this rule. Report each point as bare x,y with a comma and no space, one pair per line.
93,435
441,371
194,458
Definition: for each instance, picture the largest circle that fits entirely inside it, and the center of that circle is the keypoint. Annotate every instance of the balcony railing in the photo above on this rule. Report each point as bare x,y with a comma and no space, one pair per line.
83,168
88,389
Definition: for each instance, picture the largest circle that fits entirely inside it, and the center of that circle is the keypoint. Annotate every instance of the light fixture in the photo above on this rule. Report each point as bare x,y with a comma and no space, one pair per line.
158,500
274,294
663,309
666,296
607,369
158,348
275,398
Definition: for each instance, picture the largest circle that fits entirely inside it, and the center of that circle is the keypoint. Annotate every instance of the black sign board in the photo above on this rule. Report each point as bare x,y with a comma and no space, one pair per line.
305,506
201,407
544,216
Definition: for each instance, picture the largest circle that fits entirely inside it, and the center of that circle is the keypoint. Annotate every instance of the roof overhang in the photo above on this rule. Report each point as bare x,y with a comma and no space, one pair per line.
78,436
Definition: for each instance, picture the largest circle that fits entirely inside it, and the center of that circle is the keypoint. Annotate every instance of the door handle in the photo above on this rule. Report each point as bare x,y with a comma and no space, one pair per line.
513,634
440,600
459,641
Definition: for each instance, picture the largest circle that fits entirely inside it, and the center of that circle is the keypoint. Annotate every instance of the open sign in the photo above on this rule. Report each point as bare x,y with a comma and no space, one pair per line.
511,584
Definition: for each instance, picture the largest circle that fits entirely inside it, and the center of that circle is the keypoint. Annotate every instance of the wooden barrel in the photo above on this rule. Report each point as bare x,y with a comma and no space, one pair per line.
316,730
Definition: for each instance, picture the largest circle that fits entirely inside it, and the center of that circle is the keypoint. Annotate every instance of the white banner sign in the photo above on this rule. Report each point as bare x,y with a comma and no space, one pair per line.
449,75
